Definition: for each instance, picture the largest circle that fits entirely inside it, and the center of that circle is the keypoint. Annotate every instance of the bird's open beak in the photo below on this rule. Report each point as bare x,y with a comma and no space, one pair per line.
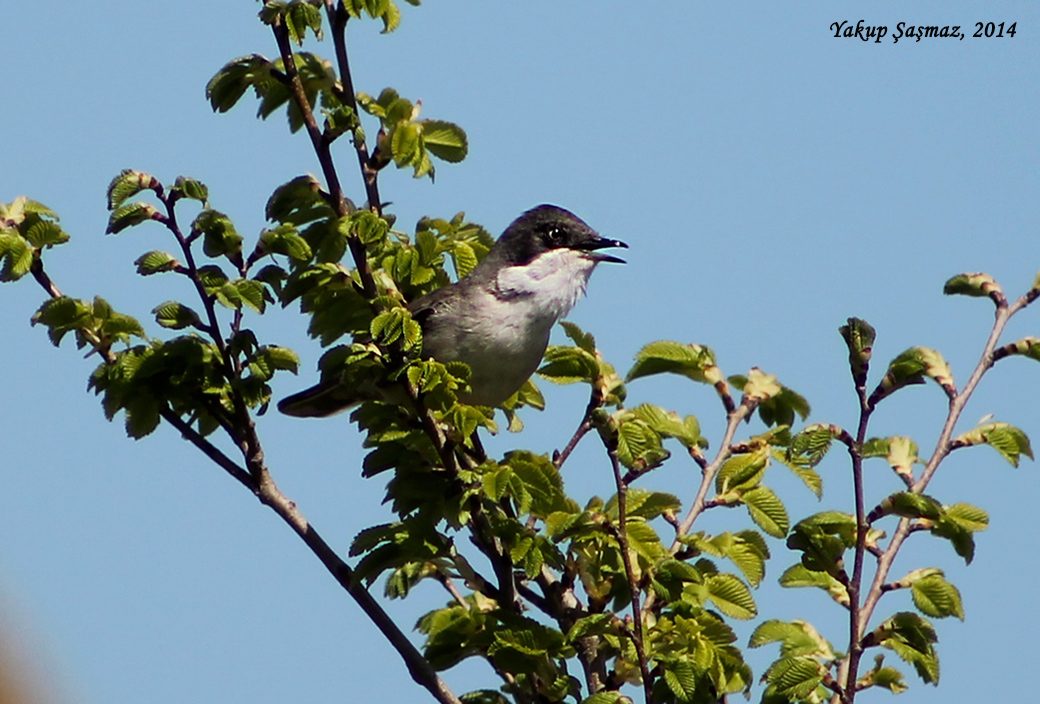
602,243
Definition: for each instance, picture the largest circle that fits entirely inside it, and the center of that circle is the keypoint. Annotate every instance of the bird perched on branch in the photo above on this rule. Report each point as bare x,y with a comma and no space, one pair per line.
498,318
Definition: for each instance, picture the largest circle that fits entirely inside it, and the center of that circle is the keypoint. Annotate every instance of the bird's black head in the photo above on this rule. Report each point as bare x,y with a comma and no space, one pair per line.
547,227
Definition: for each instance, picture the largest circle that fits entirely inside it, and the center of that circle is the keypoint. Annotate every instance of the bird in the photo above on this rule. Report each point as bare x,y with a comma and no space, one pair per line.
497,319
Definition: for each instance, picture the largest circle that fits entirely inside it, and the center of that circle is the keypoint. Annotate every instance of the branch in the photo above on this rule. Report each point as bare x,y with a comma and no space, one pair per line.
621,534
270,495
258,480
943,446
847,671
209,449
563,605
248,442
595,401
338,18
735,416
324,154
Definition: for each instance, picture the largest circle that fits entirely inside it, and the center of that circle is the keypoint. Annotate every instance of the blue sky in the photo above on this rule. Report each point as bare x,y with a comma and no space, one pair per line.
771,181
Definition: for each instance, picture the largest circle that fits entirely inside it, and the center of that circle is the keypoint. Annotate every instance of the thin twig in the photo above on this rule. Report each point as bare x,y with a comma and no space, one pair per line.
735,414
450,587
338,18
621,534
248,441
324,154
734,418
595,401
848,669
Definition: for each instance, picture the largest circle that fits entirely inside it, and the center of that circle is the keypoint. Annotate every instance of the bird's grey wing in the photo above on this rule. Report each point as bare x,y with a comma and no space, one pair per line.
425,306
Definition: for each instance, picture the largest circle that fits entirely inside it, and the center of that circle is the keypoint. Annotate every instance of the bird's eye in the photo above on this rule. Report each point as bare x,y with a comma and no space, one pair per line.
554,237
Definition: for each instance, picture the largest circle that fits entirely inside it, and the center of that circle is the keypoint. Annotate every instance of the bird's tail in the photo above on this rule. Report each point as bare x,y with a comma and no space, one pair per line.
319,401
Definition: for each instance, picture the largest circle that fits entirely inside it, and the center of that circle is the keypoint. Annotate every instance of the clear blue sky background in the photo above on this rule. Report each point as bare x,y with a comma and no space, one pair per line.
771,180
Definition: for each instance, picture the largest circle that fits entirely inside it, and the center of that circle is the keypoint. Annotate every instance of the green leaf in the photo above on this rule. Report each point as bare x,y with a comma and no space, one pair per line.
639,447
185,187
606,698
63,315
650,504
1006,439
17,211
913,639
757,385
282,358
742,471
580,338
668,424
541,480
959,535
219,235
809,476
801,576
1027,347
912,367
406,145
823,538
212,278
596,624
464,258
445,140
252,294
298,201
176,315
908,505
385,10
795,677
967,516
809,446
43,233
142,416
155,262
285,240
901,453
389,326
796,638
936,597
746,549
681,679
695,362
885,677
567,365
859,338
299,17
978,285
17,256
129,215
128,184
731,596
767,511
25,228
231,82
777,404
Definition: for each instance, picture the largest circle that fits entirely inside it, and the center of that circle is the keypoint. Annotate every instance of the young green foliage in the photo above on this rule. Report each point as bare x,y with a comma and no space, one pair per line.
536,578
409,141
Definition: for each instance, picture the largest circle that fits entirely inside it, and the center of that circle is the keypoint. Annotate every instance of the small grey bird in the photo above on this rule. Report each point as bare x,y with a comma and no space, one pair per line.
498,318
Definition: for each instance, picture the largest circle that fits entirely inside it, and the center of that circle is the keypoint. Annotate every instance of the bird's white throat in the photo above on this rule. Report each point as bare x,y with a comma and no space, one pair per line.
551,283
